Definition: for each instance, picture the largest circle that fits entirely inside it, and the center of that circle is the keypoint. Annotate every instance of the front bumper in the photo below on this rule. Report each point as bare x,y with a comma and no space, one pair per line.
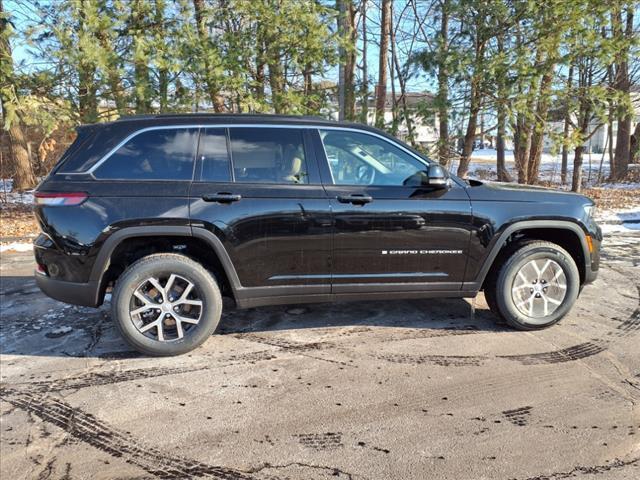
84,294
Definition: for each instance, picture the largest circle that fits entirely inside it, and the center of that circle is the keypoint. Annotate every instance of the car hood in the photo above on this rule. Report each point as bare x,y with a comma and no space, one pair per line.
514,192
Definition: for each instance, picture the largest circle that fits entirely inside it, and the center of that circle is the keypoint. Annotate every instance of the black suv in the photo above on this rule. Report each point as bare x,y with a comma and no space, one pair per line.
172,212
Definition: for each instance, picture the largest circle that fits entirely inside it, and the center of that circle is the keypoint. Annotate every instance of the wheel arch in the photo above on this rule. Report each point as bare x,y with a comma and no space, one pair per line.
195,243
566,234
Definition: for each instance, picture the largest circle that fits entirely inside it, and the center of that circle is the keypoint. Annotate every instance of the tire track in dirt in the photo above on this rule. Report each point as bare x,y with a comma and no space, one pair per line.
440,360
112,377
569,354
299,348
320,441
631,325
518,416
594,470
87,428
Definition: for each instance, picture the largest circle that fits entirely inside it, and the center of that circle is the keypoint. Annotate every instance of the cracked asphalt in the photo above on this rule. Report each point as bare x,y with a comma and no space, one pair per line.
370,390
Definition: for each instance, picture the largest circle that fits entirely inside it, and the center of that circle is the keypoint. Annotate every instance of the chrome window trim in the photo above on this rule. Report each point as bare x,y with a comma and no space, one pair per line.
232,125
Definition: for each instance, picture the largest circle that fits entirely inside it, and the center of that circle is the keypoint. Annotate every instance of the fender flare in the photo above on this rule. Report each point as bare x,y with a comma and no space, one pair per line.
103,258
528,225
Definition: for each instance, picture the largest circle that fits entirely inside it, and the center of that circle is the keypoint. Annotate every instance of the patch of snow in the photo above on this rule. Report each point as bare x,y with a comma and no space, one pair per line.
16,247
7,193
619,220
620,186
609,228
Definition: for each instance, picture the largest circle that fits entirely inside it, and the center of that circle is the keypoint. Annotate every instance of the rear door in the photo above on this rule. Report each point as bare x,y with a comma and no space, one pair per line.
389,236
258,189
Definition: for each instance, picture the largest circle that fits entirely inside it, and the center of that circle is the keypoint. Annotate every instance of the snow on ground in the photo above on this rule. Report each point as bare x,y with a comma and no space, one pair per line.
483,166
619,220
16,247
9,196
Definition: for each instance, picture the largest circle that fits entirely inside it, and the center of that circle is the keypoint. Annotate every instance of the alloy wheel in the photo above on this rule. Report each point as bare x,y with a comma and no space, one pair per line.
539,288
165,308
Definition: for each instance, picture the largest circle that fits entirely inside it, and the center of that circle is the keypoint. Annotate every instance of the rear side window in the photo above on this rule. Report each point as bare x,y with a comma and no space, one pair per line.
268,155
214,158
165,154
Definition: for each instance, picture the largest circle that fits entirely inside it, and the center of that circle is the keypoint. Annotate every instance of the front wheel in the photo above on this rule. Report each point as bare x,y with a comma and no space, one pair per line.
166,304
537,286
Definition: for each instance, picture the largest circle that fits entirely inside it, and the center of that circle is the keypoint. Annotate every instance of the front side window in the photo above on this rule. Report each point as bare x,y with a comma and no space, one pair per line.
268,155
361,159
164,154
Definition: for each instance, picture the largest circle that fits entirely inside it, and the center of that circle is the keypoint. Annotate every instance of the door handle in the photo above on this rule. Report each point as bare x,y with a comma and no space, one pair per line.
221,197
356,199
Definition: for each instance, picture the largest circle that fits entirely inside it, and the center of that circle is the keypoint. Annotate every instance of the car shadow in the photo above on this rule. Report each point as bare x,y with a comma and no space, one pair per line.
32,324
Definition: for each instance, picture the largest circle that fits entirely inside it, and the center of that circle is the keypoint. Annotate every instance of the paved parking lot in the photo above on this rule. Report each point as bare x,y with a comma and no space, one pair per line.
372,390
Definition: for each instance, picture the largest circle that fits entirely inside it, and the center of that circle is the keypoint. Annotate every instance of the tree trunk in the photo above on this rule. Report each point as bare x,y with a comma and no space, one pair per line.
350,64
381,87
364,90
142,87
341,22
23,177
503,173
260,64
113,74
584,121
634,156
308,89
443,86
537,140
87,100
472,124
213,89
475,104
406,114
566,130
163,74
276,82
623,85
576,182
394,97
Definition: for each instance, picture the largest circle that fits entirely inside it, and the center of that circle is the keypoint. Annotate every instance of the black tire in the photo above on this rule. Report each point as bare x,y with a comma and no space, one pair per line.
498,290
157,266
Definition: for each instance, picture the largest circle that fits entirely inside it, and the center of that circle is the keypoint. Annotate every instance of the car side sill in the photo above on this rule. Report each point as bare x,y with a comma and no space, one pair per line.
251,302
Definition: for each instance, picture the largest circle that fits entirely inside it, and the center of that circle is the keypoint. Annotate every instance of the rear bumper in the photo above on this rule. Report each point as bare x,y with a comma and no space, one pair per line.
84,294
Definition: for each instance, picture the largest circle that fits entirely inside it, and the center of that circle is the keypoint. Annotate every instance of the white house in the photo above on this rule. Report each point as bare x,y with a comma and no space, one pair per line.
425,127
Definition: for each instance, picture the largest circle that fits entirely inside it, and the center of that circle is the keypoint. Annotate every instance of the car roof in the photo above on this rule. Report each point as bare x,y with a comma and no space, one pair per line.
136,122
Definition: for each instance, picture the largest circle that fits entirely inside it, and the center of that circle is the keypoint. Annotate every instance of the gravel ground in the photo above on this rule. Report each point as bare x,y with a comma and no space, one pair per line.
375,390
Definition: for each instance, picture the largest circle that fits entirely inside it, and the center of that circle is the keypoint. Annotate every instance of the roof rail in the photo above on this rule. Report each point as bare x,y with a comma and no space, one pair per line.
208,114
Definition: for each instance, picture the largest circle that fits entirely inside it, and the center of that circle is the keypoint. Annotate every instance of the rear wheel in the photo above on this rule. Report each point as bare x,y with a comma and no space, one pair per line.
166,304
536,286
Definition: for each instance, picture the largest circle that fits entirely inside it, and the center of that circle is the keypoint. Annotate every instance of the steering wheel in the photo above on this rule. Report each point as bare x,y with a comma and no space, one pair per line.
365,174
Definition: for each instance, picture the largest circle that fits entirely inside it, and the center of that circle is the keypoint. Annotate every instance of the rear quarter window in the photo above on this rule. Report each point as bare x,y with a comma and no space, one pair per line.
163,154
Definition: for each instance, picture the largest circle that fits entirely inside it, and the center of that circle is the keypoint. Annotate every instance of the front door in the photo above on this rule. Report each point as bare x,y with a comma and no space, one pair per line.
258,190
389,236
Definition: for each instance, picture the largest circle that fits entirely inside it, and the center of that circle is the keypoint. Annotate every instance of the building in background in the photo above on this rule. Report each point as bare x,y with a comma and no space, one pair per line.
424,122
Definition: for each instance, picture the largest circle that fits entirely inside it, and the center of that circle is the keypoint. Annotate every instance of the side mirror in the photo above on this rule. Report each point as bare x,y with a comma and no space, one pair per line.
437,177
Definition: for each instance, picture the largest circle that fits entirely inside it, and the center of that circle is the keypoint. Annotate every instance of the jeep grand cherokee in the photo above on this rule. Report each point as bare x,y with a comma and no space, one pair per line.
171,212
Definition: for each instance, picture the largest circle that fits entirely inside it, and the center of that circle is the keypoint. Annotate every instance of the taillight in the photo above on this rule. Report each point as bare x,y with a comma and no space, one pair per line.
60,199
